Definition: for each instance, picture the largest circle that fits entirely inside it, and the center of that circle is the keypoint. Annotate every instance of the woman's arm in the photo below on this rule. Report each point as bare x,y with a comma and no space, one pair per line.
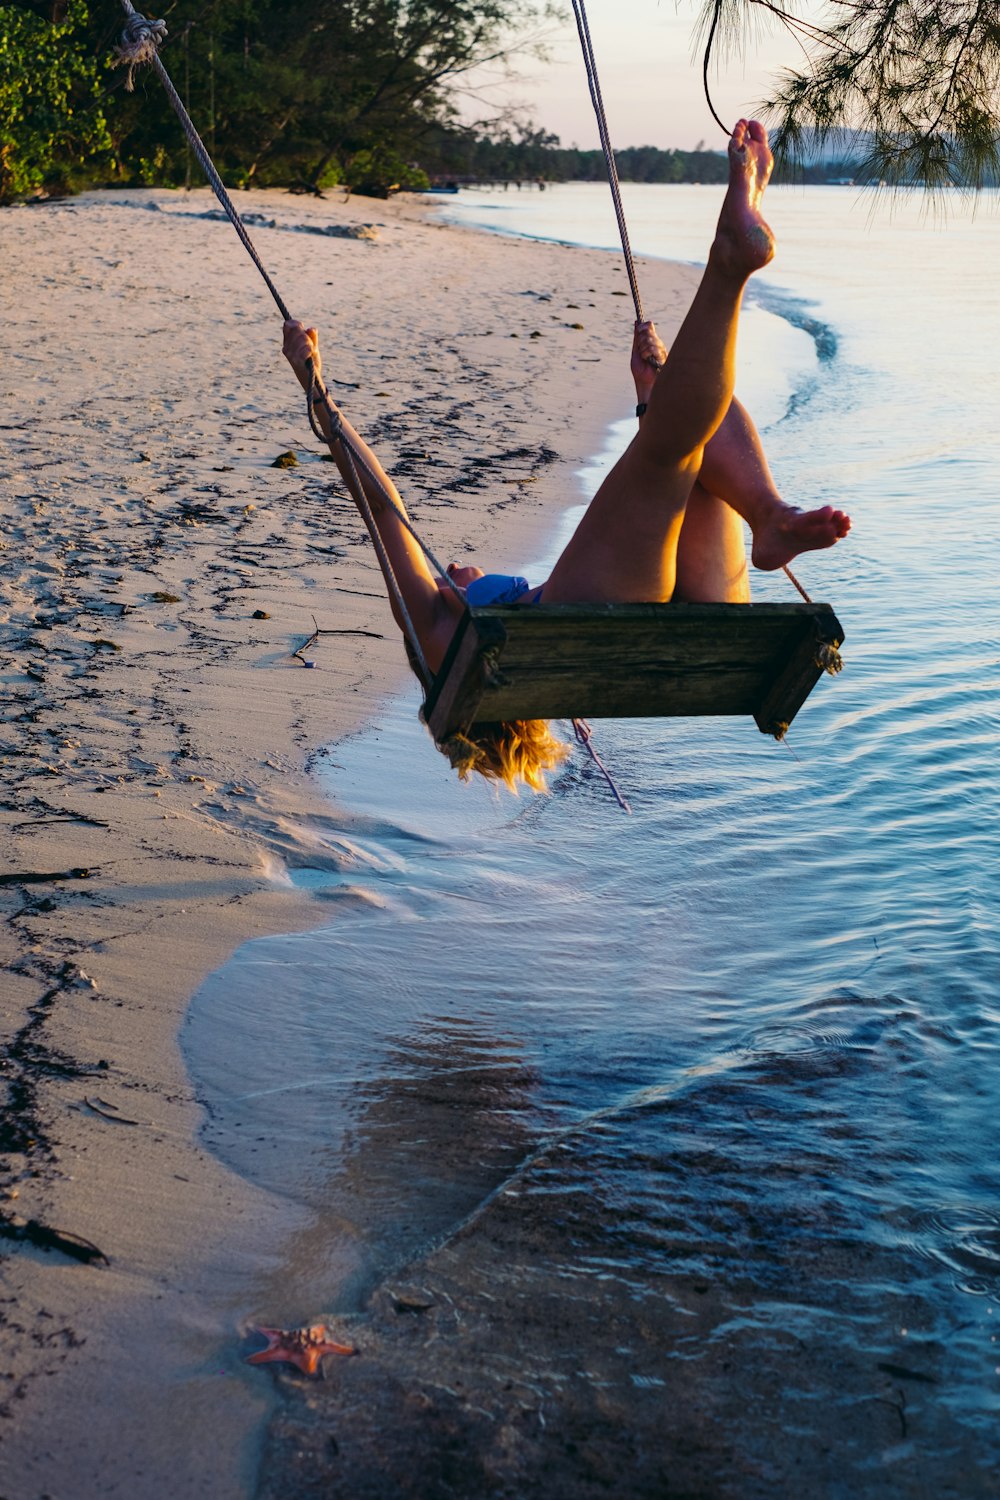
434,615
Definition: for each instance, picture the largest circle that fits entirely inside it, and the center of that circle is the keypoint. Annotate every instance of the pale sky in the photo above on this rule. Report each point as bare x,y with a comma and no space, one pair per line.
650,82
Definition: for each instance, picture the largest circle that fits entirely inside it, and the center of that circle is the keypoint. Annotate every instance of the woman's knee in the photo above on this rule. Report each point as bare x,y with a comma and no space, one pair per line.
667,455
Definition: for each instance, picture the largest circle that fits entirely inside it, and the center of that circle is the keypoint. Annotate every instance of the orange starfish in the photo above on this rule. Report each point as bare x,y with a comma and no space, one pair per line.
304,1347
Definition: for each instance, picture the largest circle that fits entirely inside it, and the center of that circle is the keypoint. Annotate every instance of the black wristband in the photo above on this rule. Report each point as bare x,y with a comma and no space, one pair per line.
640,409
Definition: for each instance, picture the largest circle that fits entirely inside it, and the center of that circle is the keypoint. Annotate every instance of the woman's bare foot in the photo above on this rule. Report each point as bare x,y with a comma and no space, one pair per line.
783,532
743,241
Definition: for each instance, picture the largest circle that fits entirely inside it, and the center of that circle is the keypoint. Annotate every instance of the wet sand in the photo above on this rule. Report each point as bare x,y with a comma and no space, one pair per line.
157,571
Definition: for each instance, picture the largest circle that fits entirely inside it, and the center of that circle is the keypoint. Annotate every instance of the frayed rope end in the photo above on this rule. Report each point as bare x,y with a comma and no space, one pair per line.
584,737
139,43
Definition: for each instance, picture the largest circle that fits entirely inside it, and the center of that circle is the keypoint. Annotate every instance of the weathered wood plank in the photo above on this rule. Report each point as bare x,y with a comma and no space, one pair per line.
455,694
630,661
799,675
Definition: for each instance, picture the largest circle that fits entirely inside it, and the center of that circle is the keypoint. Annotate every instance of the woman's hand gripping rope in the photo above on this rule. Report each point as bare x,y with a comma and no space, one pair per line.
300,346
649,355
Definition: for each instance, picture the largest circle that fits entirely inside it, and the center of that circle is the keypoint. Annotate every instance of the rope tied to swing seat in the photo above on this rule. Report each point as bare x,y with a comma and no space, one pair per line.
584,737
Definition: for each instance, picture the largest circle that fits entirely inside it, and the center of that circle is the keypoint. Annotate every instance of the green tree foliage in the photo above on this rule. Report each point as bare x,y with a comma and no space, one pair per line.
306,91
917,83
51,121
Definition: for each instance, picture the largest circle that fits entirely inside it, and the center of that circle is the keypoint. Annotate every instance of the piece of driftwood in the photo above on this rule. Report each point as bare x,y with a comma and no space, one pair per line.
32,1232
627,661
44,877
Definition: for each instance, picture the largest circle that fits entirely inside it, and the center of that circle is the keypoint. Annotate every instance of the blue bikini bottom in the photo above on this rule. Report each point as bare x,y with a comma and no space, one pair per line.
497,588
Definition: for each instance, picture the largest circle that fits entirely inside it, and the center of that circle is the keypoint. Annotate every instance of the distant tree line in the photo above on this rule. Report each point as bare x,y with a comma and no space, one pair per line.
534,155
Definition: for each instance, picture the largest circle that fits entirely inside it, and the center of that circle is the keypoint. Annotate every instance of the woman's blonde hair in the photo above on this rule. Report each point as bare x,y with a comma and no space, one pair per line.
505,750
508,750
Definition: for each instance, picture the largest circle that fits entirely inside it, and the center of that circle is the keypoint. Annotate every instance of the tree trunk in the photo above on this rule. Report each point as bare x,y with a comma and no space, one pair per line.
49,10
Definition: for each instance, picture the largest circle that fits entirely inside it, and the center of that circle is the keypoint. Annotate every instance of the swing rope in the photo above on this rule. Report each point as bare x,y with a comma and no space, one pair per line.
593,82
139,43
140,40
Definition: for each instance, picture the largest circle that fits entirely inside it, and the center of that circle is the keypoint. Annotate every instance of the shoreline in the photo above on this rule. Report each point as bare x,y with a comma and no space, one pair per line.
157,748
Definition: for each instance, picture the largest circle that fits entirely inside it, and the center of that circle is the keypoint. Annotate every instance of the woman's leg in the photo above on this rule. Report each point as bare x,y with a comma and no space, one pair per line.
625,548
711,553
735,482
735,469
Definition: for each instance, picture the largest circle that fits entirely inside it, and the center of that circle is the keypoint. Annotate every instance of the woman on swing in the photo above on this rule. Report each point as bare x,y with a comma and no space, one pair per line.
666,522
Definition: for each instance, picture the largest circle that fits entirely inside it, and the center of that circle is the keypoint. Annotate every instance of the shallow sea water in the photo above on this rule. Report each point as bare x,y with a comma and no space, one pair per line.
766,1007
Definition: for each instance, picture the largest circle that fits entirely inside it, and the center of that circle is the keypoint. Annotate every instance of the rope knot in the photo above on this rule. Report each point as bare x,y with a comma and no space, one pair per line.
319,392
139,42
829,659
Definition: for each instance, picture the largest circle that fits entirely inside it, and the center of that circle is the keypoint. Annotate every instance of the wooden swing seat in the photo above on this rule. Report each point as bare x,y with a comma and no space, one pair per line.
633,661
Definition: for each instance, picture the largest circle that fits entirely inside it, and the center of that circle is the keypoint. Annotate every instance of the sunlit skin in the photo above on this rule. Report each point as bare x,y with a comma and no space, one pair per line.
666,522
460,576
